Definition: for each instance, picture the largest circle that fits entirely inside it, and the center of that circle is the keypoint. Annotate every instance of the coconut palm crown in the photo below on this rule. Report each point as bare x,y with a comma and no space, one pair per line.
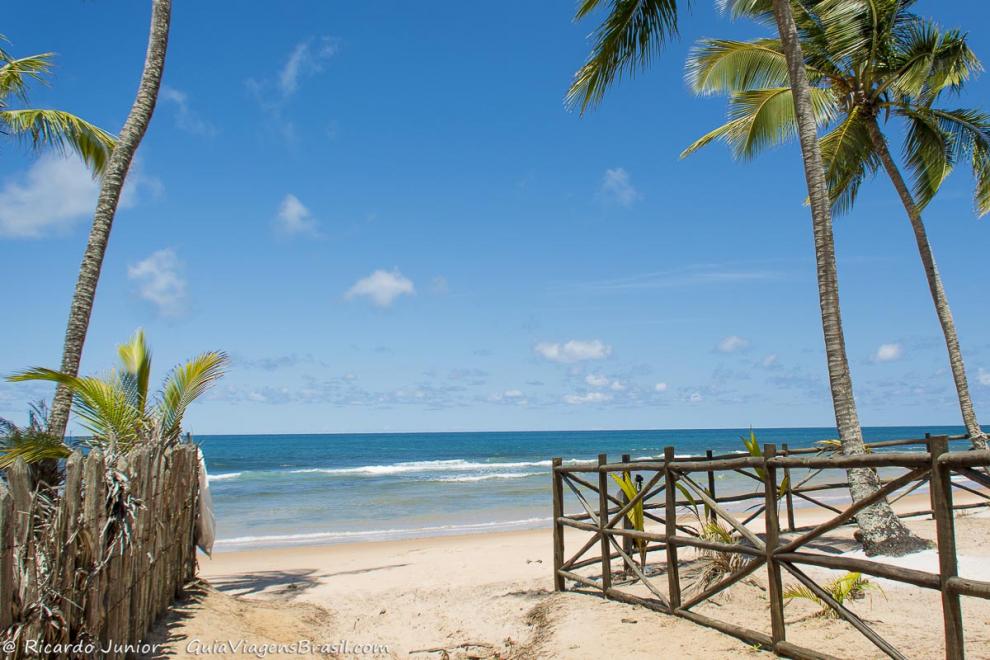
869,63
116,408
44,127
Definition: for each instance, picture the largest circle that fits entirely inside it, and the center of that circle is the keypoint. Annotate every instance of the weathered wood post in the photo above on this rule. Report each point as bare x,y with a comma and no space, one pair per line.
931,477
6,557
602,522
670,521
712,516
941,489
791,526
627,542
558,529
777,630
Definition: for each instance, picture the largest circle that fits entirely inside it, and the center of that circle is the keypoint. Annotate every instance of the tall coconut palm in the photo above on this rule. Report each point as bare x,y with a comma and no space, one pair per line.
631,34
868,62
106,206
46,128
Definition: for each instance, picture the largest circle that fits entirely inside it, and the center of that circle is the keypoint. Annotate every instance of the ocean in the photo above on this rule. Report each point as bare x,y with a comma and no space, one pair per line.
273,490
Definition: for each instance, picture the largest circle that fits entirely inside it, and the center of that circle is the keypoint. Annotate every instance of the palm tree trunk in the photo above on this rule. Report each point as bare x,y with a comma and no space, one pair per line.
106,206
881,531
976,434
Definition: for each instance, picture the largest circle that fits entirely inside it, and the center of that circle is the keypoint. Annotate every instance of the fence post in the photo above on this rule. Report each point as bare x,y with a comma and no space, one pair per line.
941,488
931,477
602,522
712,516
777,630
790,497
627,542
670,520
558,529
6,557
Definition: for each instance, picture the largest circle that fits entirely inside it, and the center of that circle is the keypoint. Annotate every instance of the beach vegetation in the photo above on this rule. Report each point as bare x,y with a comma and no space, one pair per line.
871,66
851,586
33,444
118,409
635,515
754,449
45,128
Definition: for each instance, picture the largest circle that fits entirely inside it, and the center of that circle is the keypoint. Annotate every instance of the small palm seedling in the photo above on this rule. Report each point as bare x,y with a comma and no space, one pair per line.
851,586
117,408
754,449
711,565
635,514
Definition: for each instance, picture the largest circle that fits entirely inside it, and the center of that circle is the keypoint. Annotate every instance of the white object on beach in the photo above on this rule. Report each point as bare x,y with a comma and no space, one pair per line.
207,522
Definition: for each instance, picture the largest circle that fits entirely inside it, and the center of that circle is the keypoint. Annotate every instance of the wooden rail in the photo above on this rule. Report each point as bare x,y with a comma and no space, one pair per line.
99,562
674,480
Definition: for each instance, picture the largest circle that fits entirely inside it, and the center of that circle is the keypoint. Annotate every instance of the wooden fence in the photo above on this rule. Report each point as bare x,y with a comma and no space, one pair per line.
780,547
96,564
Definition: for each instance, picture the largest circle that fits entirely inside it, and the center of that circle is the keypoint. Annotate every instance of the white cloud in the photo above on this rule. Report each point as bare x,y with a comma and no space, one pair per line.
382,287
55,193
983,377
596,380
185,118
695,397
660,387
732,344
575,350
294,218
617,187
590,397
769,360
601,381
888,353
160,281
509,396
307,58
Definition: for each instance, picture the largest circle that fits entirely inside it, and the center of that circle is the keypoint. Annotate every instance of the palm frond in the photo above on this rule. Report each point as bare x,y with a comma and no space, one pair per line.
136,360
861,31
849,158
631,34
929,61
968,134
101,403
763,118
720,65
928,154
31,448
851,586
61,131
15,74
186,383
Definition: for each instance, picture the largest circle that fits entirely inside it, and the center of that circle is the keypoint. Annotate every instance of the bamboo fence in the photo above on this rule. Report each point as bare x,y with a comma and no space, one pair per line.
782,547
94,565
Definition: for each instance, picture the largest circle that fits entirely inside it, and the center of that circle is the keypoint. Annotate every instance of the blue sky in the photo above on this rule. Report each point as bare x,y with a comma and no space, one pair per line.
387,217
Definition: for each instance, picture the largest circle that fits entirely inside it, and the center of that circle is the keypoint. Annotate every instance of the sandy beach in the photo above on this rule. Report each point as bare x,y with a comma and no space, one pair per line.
491,595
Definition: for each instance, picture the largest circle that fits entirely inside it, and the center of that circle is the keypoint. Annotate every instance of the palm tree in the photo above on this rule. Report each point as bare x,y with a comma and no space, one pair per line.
45,127
111,186
116,409
632,32
868,61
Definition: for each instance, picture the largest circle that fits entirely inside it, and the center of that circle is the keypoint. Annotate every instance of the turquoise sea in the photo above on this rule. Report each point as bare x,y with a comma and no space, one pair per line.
272,490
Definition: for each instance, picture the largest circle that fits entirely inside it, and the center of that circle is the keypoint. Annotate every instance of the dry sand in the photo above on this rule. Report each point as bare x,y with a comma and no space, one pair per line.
483,596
